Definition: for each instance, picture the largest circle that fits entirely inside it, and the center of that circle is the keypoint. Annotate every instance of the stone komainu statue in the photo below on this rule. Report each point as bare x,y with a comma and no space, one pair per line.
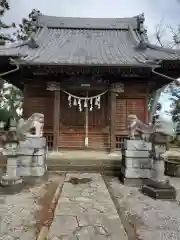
24,127
157,132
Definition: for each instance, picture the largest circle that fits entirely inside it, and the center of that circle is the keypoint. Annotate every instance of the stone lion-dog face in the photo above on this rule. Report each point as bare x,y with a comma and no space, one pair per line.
132,125
135,125
39,117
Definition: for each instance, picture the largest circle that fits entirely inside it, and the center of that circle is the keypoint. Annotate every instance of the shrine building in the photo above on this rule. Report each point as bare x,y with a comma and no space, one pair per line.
86,75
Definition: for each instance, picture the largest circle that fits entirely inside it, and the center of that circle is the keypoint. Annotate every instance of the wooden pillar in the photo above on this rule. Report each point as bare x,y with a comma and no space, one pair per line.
146,107
112,100
56,125
25,101
146,110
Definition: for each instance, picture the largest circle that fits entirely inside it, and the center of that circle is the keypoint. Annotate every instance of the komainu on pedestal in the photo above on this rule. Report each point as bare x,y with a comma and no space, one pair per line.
26,152
142,159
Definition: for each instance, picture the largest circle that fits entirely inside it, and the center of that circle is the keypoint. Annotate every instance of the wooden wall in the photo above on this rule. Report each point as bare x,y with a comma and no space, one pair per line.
38,99
72,122
132,101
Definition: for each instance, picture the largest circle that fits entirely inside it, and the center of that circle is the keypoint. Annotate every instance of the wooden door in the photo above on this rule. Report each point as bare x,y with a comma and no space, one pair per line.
73,128
72,123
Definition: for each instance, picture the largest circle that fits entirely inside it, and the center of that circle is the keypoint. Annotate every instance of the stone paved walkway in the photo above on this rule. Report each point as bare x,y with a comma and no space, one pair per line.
85,211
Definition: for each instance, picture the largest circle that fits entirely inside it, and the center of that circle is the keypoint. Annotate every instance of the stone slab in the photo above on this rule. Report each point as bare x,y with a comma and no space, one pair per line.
25,151
24,171
142,163
86,211
137,145
33,142
135,172
135,154
25,160
38,171
38,160
133,182
31,151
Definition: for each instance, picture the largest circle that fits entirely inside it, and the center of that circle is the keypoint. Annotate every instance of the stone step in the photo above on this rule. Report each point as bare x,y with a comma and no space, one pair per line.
97,165
81,168
105,172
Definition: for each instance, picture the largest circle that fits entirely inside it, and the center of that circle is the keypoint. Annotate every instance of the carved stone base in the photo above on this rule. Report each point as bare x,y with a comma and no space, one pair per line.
133,182
130,172
159,190
11,185
137,145
8,180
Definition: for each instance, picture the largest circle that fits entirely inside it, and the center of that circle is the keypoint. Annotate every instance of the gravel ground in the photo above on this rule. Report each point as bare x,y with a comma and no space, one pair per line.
20,214
145,218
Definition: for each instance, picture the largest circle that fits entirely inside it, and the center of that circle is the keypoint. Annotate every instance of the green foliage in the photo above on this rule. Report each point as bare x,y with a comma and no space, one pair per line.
11,101
4,6
4,115
175,92
150,101
27,27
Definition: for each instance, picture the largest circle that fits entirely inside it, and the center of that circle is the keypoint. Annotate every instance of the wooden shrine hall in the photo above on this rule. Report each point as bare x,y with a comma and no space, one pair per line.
86,76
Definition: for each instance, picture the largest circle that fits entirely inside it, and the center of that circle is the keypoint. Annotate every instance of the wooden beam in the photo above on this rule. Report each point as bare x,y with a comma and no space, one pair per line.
56,125
112,100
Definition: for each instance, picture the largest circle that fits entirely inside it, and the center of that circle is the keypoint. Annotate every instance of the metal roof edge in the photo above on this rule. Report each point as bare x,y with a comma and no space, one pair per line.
31,63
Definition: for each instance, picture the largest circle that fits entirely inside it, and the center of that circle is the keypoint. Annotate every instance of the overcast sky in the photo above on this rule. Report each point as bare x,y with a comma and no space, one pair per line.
155,11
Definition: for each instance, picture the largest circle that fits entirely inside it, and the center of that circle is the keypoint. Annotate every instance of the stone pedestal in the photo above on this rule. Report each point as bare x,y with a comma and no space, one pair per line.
158,187
136,163
32,157
159,190
11,179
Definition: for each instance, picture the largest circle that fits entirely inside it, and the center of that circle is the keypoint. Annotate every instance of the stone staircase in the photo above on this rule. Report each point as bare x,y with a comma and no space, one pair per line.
85,161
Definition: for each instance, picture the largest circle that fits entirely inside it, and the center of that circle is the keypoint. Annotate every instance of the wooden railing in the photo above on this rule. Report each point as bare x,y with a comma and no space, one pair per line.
49,139
120,141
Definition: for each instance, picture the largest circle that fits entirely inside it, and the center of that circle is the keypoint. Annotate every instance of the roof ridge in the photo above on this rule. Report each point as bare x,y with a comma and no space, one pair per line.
36,15
88,23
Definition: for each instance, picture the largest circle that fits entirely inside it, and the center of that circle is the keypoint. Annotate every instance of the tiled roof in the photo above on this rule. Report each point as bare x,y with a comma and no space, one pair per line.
73,41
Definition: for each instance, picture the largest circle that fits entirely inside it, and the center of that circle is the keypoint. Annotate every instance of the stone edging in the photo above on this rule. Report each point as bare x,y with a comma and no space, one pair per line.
43,234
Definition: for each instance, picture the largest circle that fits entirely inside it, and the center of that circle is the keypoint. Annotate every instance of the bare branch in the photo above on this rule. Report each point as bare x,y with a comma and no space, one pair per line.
175,34
159,33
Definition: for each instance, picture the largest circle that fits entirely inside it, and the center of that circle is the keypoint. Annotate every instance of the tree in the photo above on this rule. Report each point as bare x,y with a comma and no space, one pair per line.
11,102
173,88
11,97
4,6
27,26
